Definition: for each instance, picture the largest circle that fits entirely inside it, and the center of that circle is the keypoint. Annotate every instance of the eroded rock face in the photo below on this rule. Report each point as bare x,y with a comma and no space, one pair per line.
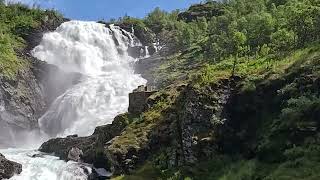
201,114
8,168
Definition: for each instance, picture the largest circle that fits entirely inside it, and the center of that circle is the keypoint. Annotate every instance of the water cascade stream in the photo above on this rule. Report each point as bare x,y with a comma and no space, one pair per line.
100,55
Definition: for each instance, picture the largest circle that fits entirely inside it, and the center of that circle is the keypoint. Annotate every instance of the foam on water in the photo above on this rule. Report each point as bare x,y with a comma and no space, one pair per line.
46,167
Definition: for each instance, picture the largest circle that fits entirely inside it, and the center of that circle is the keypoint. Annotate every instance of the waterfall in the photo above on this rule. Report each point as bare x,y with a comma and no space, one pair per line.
100,54
146,52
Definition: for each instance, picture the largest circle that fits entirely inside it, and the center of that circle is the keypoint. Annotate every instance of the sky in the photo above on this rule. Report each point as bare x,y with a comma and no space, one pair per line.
107,9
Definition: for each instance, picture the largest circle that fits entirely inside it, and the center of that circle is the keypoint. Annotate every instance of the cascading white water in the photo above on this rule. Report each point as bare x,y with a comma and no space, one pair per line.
146,52
100,55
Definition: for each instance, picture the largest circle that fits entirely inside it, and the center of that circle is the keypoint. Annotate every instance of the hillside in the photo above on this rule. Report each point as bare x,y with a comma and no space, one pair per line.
237,92
242,101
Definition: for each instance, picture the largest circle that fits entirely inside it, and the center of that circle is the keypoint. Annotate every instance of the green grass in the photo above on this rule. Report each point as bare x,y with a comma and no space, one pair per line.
9,62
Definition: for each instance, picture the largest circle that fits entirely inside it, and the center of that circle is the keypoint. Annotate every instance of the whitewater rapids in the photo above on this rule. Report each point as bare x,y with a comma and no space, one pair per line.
99,53
46,167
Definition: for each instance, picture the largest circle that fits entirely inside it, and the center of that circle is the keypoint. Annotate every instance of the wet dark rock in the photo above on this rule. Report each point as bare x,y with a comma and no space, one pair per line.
8,168
91,146
135,51
38,155
75,154
100,174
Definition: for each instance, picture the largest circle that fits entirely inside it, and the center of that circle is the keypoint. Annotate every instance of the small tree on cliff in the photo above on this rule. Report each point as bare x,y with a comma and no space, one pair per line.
239,42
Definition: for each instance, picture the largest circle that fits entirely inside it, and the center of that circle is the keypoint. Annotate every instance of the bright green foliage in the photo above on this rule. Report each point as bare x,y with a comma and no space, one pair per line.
16,22
282,40
277,26
157,20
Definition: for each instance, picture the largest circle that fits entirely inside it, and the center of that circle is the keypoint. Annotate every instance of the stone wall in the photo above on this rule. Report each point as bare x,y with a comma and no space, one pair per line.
138,99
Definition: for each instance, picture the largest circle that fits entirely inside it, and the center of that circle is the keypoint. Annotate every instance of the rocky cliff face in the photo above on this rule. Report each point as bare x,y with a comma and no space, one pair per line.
182,135
8,168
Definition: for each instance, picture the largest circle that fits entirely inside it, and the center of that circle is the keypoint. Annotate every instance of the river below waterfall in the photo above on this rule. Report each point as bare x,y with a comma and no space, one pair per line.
45,167
99,53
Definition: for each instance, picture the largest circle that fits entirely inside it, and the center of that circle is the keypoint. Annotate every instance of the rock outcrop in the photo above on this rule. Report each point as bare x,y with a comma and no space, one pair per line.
185,132
87,149
8,168
206,10
145,36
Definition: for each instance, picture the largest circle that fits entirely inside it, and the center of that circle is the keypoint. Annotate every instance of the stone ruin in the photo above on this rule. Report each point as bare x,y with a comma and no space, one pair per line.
138,99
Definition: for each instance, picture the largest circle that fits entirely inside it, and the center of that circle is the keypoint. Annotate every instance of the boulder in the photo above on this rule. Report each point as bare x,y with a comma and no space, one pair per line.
8,168
100,174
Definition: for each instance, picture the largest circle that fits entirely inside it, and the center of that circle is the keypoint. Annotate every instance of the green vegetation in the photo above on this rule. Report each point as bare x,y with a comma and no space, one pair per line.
138,131
16,22
284,138
271,48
